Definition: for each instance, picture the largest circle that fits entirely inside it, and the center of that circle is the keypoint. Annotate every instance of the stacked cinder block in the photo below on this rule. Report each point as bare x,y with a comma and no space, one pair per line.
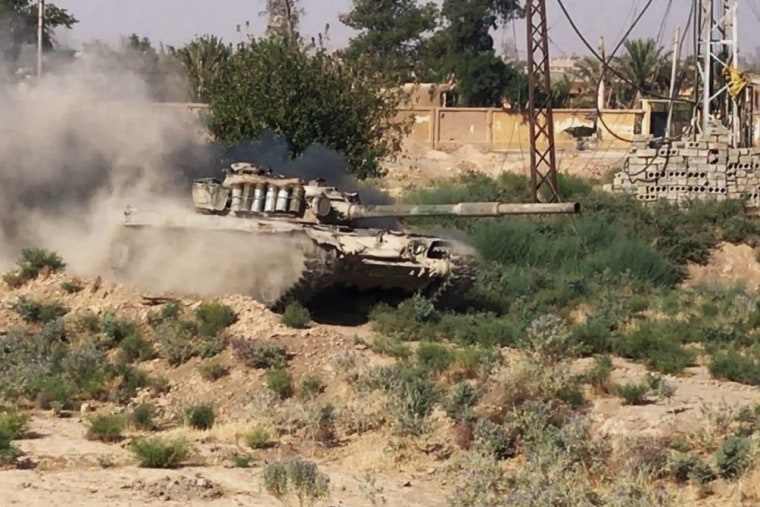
687,170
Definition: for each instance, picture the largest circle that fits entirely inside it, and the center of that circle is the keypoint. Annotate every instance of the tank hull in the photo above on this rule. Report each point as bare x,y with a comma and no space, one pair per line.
364,260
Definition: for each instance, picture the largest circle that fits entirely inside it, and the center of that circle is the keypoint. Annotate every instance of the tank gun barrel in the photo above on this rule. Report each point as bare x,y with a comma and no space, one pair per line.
464,209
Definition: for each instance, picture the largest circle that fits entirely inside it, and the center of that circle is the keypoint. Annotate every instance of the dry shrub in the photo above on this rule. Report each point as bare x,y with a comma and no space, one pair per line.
525,382
463,434
646,454
289,416
363,414
638,488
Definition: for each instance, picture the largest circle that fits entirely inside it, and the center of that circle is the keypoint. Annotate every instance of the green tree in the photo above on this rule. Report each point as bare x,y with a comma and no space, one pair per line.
306,97
646,67
587,72
464,49
561,92
18,25
202,59
392,35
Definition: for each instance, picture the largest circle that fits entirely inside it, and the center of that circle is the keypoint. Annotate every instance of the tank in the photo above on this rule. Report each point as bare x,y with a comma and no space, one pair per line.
343,245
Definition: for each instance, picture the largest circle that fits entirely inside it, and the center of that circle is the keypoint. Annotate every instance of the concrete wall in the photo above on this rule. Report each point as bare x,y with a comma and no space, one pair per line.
498,129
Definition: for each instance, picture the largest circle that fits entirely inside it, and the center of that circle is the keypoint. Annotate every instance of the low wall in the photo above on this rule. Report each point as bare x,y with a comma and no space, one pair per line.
499,129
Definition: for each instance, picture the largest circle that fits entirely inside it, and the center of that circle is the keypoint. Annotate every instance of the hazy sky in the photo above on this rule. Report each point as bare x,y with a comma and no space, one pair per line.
176,21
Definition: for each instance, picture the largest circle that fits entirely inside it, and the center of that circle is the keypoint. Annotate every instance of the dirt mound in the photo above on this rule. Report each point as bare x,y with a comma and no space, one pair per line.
729,265
179,488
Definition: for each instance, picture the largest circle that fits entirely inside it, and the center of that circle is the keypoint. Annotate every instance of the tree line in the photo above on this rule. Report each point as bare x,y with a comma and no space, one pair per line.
347,99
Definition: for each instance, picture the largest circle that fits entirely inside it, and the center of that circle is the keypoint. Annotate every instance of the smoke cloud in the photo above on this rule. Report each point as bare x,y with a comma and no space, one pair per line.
81,144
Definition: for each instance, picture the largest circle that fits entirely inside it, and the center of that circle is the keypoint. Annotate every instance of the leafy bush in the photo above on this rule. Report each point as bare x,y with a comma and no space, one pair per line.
434,356
72,286
658,344
310,387
412,396
242,460
493,440
54,393
390,347
259,354
473,362
135,348
323,427
691,468
142,417
599,374
732,365
200,417
296,316
13,425
460,402
258,438
733,457
40,365
106,428
36,312
280,382
158,452
296,477
117,328
169,312
32,262
633,393
129,380
213,318
213,370
177,341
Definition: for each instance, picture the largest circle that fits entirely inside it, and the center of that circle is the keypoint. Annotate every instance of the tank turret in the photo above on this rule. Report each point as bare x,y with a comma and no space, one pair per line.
249,190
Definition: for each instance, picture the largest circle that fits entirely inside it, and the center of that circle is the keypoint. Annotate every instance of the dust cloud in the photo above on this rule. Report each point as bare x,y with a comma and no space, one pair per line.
315,162
78,146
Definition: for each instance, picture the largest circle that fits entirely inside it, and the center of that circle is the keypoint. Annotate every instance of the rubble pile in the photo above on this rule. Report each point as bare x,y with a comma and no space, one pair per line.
180,488
708,168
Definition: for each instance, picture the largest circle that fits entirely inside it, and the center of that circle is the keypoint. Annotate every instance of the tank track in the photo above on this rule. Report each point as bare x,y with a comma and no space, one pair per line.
450,292
317,275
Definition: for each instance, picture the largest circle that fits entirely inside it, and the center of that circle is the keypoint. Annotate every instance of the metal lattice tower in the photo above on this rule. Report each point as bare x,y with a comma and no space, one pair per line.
717,47
543,163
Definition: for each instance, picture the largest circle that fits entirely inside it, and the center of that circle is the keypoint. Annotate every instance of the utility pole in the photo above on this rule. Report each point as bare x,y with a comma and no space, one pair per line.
731,15
40,25
718,48
543,163
601,91
673,75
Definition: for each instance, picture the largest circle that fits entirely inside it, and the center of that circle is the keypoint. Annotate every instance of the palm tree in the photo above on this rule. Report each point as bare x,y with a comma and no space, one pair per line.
587,72
203,58
646,71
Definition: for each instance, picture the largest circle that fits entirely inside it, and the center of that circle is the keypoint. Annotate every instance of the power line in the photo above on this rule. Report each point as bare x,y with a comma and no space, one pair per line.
664,22
754,8
605,62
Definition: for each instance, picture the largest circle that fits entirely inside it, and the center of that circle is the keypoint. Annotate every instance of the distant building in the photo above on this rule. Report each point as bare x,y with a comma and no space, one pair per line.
563,66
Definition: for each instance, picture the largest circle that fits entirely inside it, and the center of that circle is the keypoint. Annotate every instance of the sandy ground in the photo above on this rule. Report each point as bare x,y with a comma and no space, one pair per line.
419,164
66,468
729,264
